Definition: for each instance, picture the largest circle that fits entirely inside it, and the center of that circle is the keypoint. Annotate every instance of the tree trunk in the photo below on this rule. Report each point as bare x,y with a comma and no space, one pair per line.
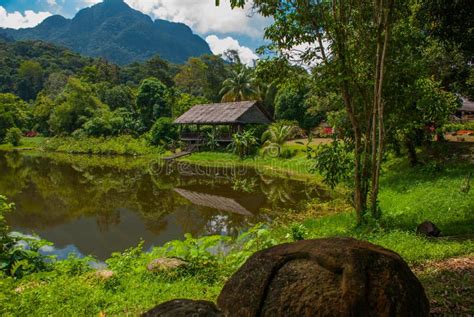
412,156
384,16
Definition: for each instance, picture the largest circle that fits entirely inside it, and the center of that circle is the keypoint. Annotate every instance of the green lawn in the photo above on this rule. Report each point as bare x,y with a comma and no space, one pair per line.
408,196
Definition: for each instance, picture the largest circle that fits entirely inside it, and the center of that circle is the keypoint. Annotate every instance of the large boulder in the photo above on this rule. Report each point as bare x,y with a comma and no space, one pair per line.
184,308
324,277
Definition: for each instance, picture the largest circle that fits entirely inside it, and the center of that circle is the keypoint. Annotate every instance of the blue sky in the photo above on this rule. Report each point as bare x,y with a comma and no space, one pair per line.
222,27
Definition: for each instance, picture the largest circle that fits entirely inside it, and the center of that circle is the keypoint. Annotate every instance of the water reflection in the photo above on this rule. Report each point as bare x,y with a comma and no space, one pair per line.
94,209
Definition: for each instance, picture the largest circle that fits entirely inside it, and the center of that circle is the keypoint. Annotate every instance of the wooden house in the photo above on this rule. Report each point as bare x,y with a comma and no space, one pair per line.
234,115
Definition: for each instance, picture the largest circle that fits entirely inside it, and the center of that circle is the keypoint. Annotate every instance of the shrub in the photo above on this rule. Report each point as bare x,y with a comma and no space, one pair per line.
454,127
163,131
334,162
13,136
276,135
18,259
243,143
13,113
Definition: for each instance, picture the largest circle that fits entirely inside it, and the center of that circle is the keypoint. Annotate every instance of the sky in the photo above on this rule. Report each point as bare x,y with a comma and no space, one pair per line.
222,27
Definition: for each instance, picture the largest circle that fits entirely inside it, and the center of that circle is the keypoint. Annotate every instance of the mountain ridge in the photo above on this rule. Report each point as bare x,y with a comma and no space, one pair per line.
115,31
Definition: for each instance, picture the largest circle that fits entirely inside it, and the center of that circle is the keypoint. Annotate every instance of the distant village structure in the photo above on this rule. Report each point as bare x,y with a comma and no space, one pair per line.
466,112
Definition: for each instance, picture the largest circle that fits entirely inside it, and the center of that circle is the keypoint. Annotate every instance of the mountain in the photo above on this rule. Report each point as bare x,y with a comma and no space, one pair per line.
115,31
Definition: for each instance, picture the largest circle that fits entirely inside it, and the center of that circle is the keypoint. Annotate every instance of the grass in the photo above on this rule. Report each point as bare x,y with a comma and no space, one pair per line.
68,291
408,196
298,167
121,145
413,195
25,144
448,285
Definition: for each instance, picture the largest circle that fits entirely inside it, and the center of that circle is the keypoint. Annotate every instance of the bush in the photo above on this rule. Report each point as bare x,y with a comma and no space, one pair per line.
120,145
163,131
19,255
334,162
454,127
13,136
243,143
13,113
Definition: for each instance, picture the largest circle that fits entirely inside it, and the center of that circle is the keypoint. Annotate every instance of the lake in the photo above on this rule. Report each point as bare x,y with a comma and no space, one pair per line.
96,209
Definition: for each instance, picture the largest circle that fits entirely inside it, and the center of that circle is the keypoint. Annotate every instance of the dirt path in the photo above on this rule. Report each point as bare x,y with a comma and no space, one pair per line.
449,284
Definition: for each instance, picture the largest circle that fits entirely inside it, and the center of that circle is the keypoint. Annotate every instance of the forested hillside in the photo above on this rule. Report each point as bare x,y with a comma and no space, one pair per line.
115,31
54,91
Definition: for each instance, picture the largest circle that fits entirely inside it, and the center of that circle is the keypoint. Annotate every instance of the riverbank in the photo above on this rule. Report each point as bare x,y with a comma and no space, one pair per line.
115,151
408,196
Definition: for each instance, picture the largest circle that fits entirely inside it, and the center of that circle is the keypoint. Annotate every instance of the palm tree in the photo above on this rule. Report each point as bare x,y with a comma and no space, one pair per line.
240,86
266,94
276,135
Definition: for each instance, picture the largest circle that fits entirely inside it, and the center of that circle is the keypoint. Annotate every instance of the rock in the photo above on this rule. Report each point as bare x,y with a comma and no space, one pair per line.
324,277
428,229
165,264
104,274
184,308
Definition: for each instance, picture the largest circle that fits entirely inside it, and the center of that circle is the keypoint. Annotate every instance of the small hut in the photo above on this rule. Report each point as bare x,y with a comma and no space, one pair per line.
233,115
466,111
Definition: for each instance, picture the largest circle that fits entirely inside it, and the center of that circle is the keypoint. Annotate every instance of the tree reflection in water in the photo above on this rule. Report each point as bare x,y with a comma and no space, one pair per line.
99,208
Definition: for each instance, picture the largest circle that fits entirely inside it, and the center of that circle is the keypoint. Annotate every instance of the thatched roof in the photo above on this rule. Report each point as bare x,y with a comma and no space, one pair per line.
244,112
212,201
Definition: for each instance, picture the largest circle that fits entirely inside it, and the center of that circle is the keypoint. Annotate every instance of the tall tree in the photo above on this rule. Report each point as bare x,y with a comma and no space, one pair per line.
153,101
348,41
13,113
192,78
77,103
240,86
30,82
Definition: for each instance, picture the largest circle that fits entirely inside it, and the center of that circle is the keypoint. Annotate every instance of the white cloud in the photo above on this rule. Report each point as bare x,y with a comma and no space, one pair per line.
219,46
17,20
296,55
89,3
52,2
204,17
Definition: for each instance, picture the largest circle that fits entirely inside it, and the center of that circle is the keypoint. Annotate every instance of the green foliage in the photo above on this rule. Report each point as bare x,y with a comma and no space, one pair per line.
111,123
116,97
13,136
192,77
76,105
202,254
243,143
13,113
153,101
298,232
121,145
413,195
212,138
41,112
454,127
184,102
18,259
5,207
30,74
27,66
163,131
72,287
240,86
334,162
290,104
276,135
